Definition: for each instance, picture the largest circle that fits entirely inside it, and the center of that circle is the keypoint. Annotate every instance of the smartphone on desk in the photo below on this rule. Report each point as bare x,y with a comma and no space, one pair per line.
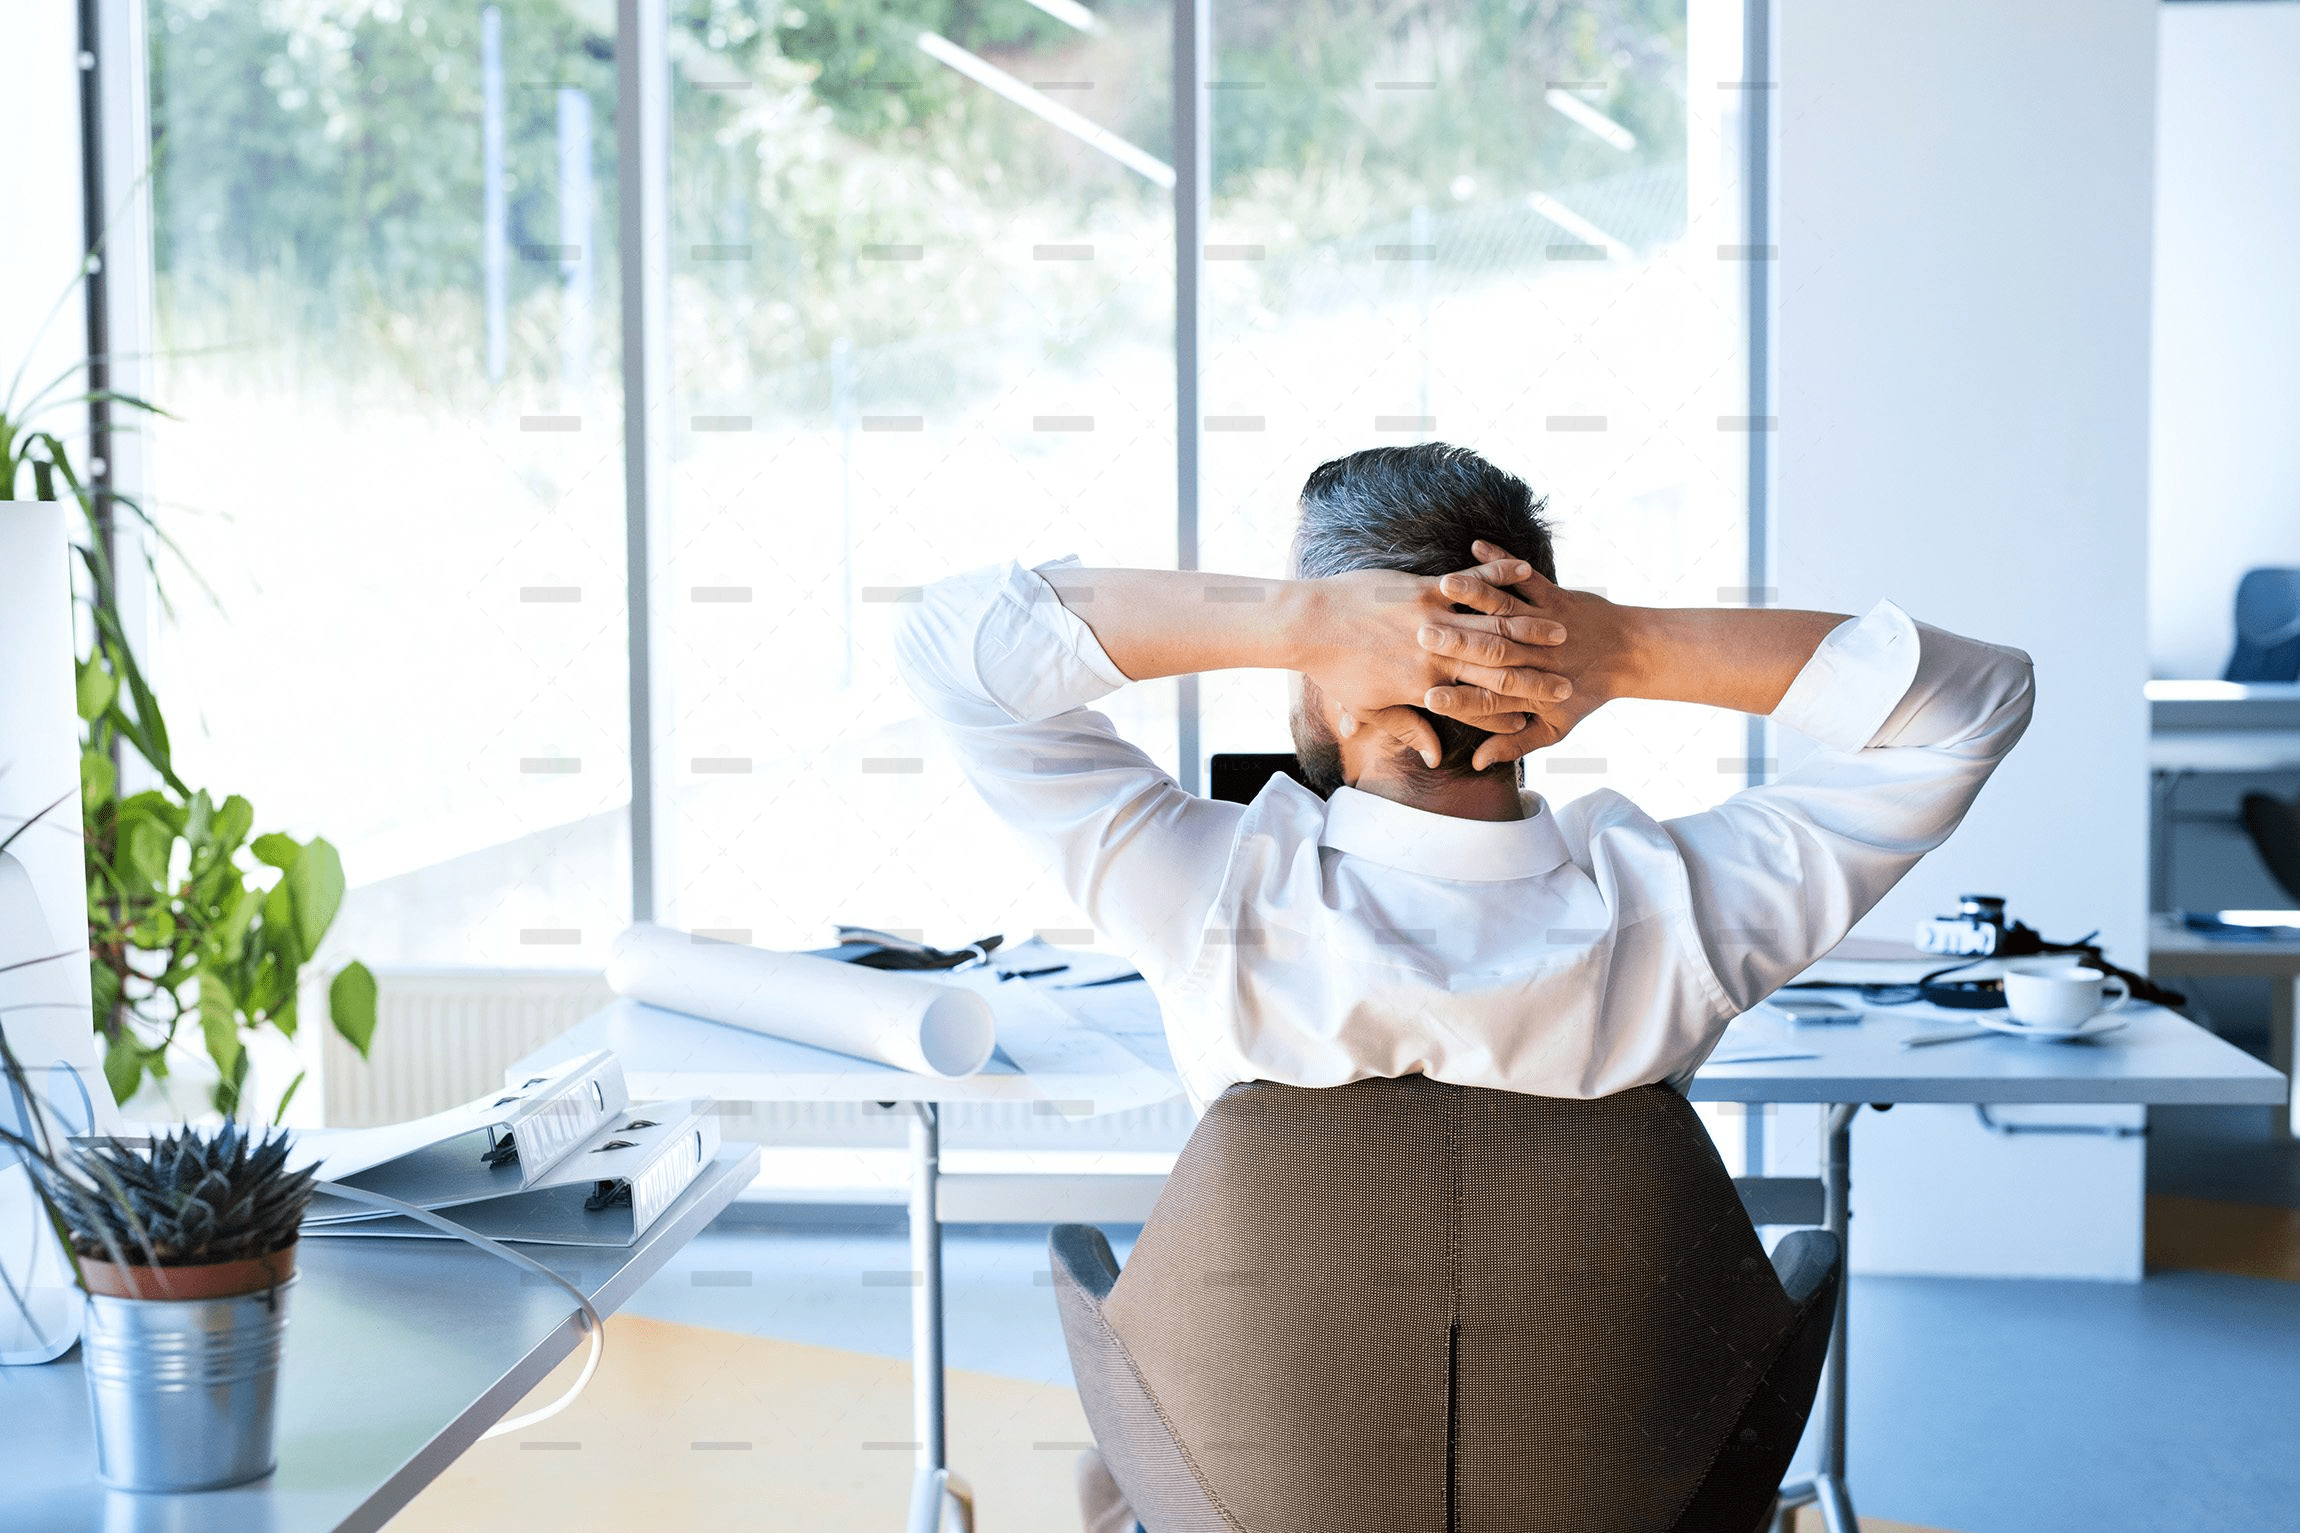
1814,1010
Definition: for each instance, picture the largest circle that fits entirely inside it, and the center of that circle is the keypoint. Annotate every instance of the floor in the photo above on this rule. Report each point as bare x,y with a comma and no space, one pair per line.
686,1427
758,1382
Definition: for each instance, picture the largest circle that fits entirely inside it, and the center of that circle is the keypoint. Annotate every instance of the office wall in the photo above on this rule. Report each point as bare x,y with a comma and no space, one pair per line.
1964,225
40,120
2225,490
40,106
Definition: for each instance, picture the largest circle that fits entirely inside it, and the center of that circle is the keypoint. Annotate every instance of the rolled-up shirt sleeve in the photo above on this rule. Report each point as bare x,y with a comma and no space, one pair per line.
1008,671
1911,720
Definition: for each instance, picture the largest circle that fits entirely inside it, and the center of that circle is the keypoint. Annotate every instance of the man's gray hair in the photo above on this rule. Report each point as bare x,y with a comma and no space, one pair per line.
1418,509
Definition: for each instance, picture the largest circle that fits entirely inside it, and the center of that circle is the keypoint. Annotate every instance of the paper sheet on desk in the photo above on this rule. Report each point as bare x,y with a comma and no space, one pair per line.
1086,1071
1127,1013
1758,1037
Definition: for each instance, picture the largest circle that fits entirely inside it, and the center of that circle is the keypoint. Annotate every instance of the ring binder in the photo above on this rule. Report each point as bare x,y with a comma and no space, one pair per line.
563,1158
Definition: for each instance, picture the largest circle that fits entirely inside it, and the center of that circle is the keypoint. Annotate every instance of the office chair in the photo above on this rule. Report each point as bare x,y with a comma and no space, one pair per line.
2274,825
2267,627
1403,1305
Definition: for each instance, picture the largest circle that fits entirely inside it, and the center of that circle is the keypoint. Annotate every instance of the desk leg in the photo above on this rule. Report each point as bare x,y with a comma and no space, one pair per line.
2280,1019
2163,786
927,1491
1827,1486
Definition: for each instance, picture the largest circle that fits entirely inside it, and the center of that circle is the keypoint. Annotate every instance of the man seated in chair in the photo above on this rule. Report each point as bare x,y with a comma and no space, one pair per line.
1421,913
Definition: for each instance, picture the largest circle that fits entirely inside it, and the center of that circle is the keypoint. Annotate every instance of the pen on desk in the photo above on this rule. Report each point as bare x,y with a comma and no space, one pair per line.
1920,1040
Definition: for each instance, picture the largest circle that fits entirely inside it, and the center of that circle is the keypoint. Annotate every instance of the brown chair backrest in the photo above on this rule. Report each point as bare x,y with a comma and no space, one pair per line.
1405,1305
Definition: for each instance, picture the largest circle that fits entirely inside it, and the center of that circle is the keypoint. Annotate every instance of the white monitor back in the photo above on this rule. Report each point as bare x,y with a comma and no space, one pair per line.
44,1006
44,994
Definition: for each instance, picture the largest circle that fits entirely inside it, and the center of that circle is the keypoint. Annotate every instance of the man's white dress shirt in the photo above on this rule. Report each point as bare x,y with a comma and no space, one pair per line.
1580,951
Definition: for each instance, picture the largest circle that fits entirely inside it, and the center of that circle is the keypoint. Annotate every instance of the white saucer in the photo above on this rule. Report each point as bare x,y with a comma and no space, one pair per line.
2098,1025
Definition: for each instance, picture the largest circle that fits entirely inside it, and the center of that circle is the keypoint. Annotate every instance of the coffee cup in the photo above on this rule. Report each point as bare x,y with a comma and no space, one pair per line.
2062,998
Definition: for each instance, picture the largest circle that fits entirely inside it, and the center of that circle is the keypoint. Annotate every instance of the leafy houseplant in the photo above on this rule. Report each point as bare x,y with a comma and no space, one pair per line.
178,933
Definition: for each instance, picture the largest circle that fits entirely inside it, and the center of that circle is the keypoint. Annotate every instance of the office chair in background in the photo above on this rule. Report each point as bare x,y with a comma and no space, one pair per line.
1401,1304
2268,649
2267,627
2274,825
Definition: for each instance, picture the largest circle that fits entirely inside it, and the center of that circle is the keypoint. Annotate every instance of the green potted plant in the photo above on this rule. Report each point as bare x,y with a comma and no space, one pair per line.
185,1245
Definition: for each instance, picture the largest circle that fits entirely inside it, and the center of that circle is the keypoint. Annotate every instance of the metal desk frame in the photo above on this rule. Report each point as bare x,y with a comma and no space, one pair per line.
1930,1078
1826,1485
934,1489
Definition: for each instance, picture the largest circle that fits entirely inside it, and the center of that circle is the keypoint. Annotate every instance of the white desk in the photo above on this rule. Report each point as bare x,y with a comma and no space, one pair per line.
2184,751
2160,1058
2222,704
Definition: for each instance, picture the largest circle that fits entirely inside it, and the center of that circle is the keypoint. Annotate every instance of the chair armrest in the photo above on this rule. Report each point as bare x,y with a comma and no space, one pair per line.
1804,1261
1082,1254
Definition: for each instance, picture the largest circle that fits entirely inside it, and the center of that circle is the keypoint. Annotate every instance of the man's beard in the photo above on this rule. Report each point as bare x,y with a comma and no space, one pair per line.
1314,744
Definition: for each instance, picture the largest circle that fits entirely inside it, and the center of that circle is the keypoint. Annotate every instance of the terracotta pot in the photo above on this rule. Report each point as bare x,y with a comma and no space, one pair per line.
207,1280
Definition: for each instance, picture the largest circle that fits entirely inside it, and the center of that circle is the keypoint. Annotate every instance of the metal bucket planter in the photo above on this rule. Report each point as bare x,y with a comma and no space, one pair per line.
185,1389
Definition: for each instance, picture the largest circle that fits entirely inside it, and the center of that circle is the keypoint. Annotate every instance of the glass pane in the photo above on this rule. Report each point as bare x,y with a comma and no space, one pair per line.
922,298
1512,227
395,455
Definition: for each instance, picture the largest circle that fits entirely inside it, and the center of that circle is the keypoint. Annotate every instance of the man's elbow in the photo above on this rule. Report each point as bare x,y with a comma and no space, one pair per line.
2016,703
2022,696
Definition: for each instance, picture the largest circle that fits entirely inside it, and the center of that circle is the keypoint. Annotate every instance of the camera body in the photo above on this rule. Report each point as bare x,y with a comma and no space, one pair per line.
1977,930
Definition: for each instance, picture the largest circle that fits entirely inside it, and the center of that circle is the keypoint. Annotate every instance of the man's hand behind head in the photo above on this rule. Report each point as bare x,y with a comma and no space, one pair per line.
1499,664
1363,652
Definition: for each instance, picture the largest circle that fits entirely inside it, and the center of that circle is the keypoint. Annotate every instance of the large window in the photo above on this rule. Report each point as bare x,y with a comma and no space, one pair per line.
921,308
394,458
922,300
1515,228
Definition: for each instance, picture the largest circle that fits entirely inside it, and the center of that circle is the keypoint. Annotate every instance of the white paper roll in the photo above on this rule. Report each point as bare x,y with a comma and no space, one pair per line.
910,1023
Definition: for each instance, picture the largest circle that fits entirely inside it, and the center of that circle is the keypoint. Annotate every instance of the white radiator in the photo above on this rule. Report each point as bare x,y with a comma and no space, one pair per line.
445,1036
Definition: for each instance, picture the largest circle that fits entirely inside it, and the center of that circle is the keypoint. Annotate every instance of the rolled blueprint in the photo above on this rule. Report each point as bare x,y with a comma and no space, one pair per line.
912,1024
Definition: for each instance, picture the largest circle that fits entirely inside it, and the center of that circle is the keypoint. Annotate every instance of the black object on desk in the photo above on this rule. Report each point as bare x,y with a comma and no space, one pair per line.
1237,776
869,948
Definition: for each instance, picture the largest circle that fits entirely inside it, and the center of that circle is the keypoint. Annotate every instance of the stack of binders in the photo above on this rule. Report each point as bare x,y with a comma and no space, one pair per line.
560,1159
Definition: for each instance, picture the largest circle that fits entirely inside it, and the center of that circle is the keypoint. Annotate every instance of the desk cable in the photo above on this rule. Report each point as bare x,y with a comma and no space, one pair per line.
2101,1130
586,1313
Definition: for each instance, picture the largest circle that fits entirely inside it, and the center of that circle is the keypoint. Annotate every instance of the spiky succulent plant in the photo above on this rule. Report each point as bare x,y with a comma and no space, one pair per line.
197,1195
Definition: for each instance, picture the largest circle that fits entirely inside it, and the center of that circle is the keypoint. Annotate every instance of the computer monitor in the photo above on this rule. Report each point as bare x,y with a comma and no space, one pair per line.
1238,776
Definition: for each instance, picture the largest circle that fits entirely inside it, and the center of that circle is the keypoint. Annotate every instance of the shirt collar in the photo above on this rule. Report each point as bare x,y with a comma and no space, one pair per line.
1439,845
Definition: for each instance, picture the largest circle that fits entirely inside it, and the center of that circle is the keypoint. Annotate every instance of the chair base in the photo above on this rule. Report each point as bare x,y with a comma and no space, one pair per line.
1825,1491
